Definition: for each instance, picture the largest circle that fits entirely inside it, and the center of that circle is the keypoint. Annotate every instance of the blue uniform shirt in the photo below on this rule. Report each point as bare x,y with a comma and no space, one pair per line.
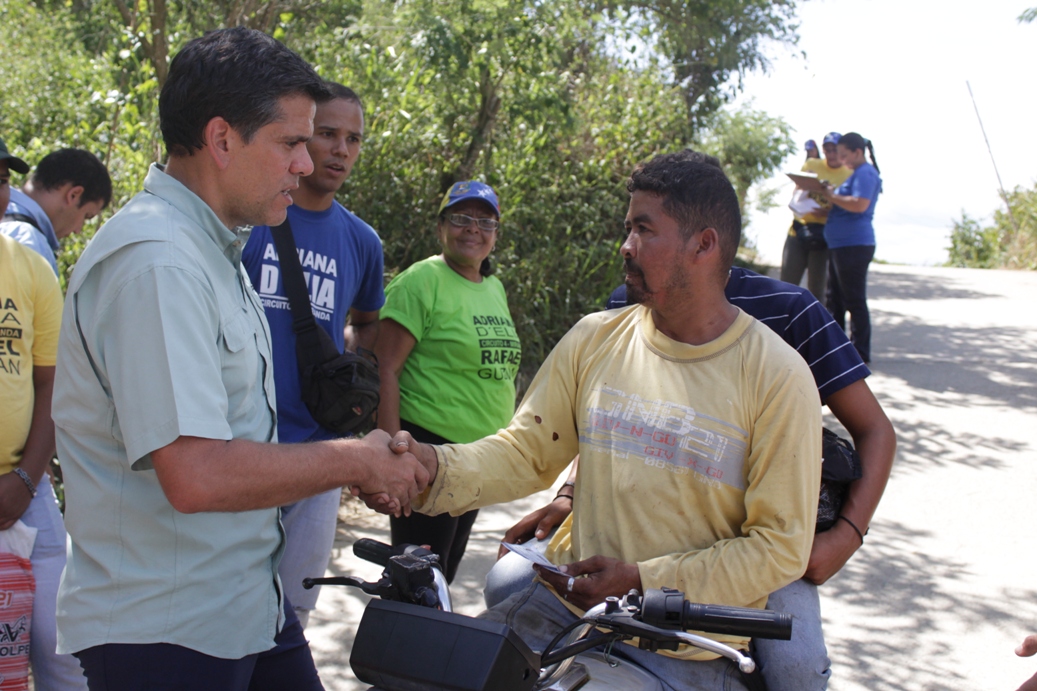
845,228
42,239
341,259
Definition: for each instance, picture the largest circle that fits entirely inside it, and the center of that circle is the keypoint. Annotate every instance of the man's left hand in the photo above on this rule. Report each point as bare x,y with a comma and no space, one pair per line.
831,550
593,580
14,499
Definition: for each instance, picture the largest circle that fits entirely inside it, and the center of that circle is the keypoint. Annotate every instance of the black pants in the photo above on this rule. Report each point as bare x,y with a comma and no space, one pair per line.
445,535
848,292
167,667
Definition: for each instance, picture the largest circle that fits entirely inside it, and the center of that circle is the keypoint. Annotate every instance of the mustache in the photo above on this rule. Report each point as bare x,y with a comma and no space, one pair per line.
632,268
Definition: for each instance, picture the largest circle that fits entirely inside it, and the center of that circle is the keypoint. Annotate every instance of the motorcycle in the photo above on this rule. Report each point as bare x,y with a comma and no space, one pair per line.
410,640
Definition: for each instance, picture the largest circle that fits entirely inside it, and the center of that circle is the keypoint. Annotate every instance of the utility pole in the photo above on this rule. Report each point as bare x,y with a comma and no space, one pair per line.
1000,186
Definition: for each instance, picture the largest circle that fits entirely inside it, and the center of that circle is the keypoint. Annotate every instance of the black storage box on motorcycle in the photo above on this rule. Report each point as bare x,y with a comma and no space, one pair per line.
404,647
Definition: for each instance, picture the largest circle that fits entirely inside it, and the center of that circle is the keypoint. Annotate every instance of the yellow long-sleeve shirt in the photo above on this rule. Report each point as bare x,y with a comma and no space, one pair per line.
701,464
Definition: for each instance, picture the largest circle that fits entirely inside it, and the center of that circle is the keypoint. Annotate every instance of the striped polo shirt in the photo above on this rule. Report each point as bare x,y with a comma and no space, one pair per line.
795,315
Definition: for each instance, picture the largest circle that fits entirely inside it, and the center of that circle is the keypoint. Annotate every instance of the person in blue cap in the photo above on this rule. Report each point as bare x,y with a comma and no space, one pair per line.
805,250
811,149
448,353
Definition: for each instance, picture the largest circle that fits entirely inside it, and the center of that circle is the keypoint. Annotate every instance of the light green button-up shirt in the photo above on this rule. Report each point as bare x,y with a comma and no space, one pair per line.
162,336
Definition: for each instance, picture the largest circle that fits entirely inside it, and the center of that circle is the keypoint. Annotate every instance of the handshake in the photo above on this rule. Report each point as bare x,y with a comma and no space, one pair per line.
397,470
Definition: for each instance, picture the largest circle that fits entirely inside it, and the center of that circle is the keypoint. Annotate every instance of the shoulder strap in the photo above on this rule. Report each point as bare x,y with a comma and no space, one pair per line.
22,218
310,347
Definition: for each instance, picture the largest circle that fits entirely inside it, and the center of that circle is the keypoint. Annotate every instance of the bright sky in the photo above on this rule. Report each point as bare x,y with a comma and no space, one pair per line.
895,71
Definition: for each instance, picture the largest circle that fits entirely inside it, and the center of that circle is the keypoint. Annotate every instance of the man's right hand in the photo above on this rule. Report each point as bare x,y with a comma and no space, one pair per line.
14,499
538,524
392,472
402,444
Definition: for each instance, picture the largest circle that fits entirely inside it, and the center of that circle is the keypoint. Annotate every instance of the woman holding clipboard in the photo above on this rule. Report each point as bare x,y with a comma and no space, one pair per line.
851,240
805,249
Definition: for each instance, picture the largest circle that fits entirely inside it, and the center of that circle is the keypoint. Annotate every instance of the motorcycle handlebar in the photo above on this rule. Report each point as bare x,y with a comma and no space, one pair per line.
738,621
380,553
667,608
374,551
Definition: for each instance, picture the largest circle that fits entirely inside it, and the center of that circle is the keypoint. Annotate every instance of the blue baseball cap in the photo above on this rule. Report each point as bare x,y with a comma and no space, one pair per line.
811,145
832,138
470,189
13,162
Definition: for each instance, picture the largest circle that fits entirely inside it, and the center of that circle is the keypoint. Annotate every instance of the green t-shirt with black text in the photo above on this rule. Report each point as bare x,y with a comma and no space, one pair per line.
459,380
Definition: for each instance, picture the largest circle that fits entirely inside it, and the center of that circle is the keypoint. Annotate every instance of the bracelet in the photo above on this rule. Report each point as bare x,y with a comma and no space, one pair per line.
562,489
29,484
855,528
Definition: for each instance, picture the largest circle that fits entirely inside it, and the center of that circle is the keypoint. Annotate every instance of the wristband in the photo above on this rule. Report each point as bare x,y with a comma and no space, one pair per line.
855,528
29,484
562,489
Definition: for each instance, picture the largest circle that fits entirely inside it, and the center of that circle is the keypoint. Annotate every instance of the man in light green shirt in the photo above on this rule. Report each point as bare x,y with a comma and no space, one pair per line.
165,405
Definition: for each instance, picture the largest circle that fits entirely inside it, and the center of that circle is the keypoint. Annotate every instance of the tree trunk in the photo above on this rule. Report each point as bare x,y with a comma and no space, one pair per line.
153,42
489,106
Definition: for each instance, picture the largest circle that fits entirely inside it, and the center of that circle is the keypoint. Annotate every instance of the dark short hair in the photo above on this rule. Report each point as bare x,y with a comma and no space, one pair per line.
338,91
238,74
853,141
76,166
696,193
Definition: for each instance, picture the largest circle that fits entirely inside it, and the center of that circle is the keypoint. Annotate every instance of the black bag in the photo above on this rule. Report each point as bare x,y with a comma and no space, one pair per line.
840,466
339,389
811,235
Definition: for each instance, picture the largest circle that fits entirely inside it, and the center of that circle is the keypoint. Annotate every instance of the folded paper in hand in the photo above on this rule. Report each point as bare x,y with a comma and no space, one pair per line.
533,555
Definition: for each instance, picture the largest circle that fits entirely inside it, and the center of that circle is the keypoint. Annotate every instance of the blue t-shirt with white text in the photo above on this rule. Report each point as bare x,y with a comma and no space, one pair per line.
342,263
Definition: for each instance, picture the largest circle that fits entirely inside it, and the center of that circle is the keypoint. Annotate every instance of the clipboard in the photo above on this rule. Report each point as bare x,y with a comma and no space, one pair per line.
807,181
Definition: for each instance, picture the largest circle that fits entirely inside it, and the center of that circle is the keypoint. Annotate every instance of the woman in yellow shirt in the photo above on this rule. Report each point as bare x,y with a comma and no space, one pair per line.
805,249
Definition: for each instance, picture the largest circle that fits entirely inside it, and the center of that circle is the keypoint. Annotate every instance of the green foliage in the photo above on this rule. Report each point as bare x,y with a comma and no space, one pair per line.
751,144
556,128
64,95
1009,243
540,98
712,44
972,246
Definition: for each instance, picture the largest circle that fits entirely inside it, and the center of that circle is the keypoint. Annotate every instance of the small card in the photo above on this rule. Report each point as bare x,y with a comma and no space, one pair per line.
533,555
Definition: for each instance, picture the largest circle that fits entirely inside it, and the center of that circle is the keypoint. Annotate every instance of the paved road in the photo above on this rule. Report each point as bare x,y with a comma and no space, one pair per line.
946,585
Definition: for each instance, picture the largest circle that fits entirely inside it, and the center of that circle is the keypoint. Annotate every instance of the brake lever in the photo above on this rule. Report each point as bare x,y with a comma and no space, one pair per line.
381,588
384,589
650,638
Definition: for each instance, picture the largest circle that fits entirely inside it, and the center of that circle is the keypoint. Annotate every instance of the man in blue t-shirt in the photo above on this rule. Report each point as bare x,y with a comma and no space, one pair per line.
342,261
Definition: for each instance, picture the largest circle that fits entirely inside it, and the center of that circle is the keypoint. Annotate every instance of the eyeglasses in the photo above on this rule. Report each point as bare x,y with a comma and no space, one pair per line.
462,221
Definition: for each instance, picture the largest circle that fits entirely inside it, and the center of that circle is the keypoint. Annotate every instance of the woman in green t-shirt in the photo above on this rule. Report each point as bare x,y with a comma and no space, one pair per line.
448,353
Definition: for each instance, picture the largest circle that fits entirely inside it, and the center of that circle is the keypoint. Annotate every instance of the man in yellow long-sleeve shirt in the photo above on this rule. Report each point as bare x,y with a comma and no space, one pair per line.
698,431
